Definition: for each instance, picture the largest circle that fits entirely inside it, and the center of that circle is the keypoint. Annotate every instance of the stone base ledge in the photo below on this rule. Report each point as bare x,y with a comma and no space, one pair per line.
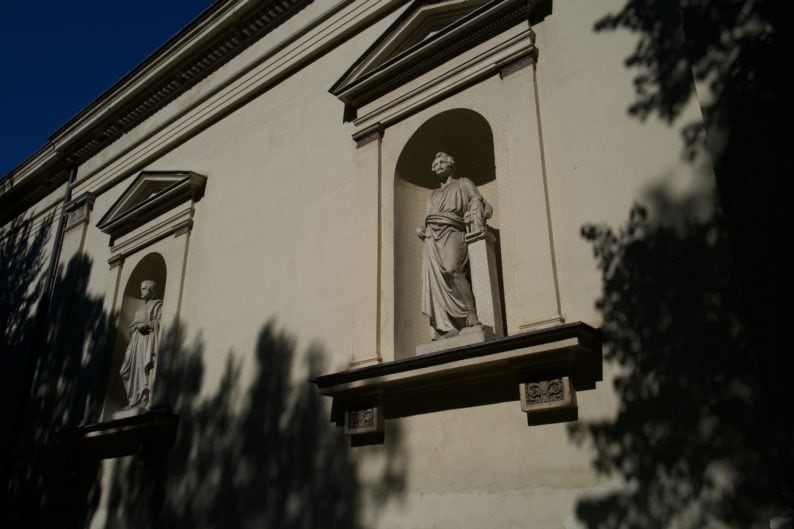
473,375
467,336
147,434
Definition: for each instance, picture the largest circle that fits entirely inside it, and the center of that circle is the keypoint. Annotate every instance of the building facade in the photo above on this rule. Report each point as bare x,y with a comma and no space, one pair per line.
266,170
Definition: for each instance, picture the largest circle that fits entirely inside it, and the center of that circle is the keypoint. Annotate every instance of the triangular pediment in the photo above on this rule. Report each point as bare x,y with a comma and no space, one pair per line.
151,194
426,34
419,23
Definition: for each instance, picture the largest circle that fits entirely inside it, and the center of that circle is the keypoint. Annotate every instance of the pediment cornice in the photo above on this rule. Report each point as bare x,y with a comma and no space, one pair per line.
426,35
151,194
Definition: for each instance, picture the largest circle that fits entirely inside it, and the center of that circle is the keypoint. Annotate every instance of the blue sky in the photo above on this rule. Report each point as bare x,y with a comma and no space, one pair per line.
61,55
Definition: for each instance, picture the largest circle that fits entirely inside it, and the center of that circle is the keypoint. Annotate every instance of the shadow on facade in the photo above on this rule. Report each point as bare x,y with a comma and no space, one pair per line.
267,458
51,380
22,262
695,310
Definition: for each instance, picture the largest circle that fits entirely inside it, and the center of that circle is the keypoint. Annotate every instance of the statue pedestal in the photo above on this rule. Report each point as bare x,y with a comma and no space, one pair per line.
124,413
468,336
485,280
148,434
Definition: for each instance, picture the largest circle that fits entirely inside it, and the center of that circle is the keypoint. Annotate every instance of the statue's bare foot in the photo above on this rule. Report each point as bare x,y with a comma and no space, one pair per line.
472,321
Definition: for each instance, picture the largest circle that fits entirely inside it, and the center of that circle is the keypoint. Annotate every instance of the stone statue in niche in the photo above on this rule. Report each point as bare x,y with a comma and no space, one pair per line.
454,210
137,368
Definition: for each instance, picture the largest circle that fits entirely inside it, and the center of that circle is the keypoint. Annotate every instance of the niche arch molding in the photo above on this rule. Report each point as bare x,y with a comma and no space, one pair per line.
467,136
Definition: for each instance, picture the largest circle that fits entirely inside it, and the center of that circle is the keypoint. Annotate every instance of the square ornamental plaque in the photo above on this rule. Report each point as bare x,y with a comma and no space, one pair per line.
364,420
549,400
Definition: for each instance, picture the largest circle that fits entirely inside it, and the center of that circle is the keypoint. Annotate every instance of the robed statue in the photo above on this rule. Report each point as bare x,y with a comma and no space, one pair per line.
137,368
453,210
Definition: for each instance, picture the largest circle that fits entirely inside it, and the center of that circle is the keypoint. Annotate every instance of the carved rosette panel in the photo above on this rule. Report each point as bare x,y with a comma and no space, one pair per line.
366,420
544,391
543,396
360,419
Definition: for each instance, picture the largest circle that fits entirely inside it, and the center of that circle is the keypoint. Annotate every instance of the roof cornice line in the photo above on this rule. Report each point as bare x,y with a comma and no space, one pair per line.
211,40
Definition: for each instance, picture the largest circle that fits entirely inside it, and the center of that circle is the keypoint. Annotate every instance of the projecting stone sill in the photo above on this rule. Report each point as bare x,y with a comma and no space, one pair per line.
542,369
147,434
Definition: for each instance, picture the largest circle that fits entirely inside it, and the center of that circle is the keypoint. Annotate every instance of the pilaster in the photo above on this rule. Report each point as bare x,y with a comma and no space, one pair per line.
366,268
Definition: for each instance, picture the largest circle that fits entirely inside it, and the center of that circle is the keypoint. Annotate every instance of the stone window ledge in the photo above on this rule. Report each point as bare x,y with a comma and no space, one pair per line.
542,369
148,434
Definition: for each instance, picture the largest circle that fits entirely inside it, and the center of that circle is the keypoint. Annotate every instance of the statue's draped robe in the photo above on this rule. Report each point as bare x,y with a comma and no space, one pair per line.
139,358
446,291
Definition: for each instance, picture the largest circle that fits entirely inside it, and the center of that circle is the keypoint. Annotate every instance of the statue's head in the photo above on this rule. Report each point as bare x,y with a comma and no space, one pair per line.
148,289
443,165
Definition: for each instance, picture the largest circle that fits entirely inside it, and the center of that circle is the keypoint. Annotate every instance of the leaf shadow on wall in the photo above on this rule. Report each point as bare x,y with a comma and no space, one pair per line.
268,457
694,441
55,389
695,308
728,56
22,262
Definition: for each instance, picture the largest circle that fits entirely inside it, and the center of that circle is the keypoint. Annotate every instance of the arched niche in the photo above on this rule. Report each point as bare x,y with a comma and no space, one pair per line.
151,267
467,136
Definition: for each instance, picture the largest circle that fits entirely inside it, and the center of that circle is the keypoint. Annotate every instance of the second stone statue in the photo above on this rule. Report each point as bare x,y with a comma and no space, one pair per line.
137,367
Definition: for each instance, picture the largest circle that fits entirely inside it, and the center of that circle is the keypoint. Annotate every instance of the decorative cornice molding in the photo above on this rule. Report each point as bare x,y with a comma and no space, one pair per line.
121,108
514,64
589,368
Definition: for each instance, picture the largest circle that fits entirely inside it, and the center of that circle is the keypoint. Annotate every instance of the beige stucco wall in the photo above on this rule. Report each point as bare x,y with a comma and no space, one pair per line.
273,242
600,159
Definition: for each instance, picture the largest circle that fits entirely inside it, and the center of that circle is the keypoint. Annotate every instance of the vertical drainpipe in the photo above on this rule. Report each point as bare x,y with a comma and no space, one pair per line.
48,318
